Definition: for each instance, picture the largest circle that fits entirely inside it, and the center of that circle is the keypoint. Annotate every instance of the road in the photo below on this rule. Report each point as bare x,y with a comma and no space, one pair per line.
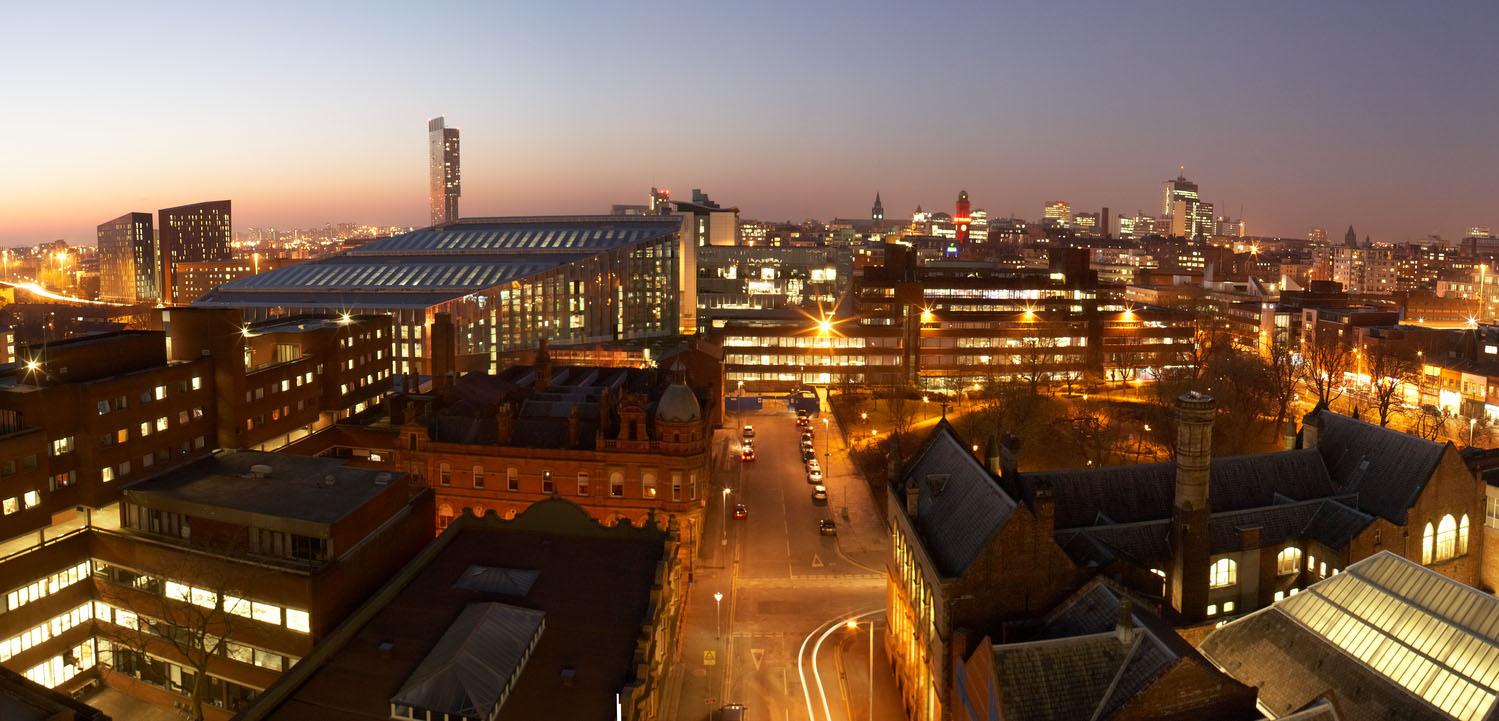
778,638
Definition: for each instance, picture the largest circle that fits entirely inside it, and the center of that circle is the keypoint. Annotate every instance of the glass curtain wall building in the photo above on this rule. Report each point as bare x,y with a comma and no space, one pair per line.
507,283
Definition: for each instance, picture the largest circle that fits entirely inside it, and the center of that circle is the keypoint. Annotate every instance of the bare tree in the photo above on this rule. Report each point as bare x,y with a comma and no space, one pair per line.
1037,360
1324,362
903,411
1430,422
195,623
1390,368
1281,374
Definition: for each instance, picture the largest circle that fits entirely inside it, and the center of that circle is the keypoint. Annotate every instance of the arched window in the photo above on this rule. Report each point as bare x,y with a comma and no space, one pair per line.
1224,573
1446,538
1426,539
444,515
1289,561
1462,536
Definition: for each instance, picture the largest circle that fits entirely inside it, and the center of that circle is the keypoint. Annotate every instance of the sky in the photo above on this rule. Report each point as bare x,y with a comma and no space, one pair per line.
1382,115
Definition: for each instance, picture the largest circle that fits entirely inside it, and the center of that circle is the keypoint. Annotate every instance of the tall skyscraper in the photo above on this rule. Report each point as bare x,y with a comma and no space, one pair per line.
127,259
188,234
1174,190
1191,217
442,149
961,218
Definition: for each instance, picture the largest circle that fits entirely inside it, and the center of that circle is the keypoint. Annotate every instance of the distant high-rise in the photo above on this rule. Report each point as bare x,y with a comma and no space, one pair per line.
189,234
1317,235
442,147
127,259
1057,212
660,202
962,218
1191,218
1480,231
1174,190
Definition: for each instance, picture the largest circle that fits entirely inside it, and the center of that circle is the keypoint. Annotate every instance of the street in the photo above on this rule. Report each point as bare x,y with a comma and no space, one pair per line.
777,640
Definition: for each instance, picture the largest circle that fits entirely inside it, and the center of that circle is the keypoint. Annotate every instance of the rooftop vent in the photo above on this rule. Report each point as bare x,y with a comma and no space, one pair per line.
382,479
260,470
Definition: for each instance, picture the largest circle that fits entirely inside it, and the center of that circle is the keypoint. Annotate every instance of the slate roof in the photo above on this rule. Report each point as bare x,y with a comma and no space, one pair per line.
1327,520
1386,468
1386,638
1144,492
960,506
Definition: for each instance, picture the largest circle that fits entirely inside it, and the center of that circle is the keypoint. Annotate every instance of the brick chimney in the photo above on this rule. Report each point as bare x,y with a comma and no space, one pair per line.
1009,457
504,424
542,366
442,352
1288,436
993,456
1190,511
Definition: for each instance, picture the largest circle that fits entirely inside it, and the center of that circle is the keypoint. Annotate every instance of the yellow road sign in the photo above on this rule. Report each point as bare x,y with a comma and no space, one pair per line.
709,659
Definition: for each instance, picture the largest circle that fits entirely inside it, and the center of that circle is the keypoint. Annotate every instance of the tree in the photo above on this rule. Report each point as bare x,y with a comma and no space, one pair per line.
1324,362
1036,357
1390,368
903,410
195,623
1430,422
1281,375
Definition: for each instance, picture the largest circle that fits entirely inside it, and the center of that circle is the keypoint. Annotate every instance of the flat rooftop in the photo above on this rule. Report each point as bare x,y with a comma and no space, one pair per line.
305,488
593,585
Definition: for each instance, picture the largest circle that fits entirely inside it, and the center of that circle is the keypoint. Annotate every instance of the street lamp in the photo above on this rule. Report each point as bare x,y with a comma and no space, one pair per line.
853,625
725,540
1472,423
718,613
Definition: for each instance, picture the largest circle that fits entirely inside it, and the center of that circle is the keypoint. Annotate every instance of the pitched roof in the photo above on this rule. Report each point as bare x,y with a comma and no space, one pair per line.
960,506
1144,492
1386,468
470,670
1387,638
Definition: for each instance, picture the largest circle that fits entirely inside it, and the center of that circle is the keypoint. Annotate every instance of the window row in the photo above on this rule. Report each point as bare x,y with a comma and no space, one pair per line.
159,393
583,486
1449,540
40,633
46,586
275,615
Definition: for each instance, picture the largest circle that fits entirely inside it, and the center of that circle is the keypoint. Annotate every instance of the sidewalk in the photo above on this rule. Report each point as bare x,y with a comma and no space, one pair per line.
862,536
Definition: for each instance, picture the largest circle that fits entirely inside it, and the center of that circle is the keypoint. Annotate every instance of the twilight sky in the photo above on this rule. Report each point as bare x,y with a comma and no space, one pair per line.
1380,114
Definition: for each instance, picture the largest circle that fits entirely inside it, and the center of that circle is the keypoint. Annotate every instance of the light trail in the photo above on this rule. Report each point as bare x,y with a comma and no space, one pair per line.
827,628
43,292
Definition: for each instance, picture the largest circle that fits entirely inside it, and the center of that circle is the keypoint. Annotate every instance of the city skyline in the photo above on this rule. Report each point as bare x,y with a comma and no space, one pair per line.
1303,117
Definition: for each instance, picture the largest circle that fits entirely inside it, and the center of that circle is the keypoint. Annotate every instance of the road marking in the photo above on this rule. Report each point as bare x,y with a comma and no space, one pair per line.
816,562
709,659
757,655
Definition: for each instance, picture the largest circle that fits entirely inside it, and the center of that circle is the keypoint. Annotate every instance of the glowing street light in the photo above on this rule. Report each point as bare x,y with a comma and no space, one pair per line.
718,613
725,540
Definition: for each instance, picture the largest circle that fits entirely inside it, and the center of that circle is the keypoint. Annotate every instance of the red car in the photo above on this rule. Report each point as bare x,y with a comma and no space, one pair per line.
740,511
747,456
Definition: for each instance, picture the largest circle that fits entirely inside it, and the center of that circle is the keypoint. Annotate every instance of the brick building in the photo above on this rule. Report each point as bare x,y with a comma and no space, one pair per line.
82,419
978,548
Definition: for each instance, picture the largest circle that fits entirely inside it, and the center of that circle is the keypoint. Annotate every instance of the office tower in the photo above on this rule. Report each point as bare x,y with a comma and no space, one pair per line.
127,259
190,233
961,218
1057,212
442,147
660,203
1480,231
1191,217
1174,190
1317,235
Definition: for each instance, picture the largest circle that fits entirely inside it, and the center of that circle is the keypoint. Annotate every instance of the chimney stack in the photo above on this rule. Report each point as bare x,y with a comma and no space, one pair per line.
993,457
542,367
1009,457
1311,428
1124,628
1288,438
442,352
1191,510
504,424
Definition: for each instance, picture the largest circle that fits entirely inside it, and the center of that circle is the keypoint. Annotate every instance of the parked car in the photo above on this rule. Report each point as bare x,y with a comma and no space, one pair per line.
813,465
746,445
814,476
826,527
808,455
749,432
747,455
731,712
819,494
740,511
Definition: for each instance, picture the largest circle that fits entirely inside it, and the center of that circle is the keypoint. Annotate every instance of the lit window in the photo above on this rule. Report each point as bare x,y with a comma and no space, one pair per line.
1280,595
444,475
1228,606
546,482
1289,561
298,621
1426,542
197,383
107,474
1462,536
1446,546
161,392
1212,609
161,423
1223,573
